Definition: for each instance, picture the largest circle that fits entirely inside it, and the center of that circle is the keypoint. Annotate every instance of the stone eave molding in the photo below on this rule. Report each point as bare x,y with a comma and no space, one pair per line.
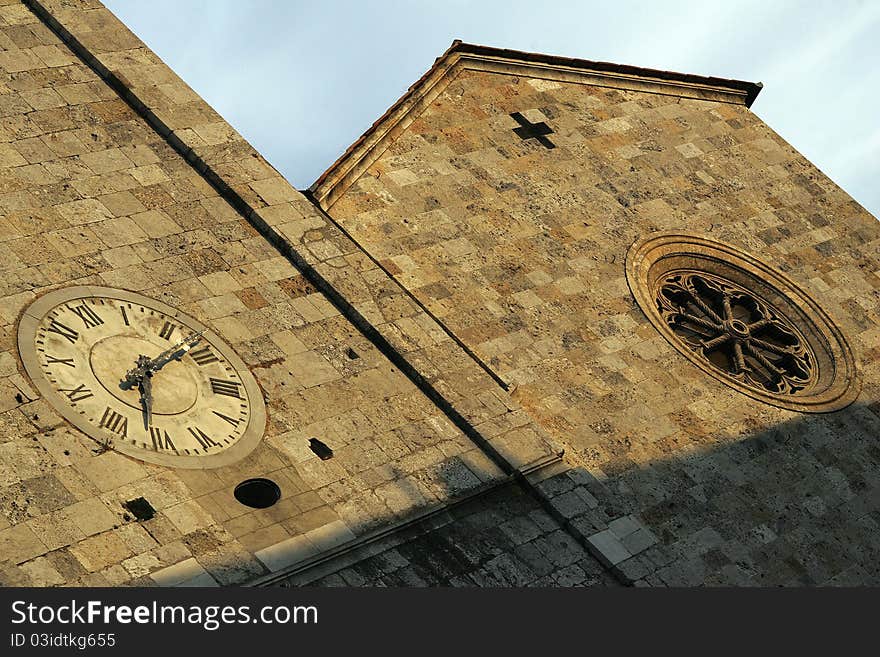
467,57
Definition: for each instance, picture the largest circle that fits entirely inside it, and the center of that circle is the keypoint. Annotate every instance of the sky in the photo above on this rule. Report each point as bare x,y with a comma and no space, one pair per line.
302,80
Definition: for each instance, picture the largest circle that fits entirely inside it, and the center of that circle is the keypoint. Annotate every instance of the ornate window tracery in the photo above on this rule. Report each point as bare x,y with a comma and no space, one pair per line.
736,332
742,322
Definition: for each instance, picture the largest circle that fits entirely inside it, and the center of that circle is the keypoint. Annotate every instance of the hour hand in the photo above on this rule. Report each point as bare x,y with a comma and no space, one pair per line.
145,386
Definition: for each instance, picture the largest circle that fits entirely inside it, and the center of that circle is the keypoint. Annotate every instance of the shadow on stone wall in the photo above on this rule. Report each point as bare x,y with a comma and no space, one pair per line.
797,504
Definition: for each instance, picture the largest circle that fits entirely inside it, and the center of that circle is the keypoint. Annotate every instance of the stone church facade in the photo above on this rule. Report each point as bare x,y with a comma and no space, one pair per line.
548,322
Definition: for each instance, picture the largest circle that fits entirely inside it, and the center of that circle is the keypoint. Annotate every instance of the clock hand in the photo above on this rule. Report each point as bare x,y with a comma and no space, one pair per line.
145,385
142,377
144,365
176,352
133,376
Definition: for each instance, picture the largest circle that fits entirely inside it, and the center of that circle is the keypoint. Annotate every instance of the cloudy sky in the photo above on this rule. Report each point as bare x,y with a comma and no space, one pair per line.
302,80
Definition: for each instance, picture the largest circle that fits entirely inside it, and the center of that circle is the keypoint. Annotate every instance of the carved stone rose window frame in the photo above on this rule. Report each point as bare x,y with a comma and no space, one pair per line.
742,322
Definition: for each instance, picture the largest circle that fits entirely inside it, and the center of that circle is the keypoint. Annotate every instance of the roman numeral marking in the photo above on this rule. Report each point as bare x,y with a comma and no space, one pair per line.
89,317
115,422
64,331
77,394
233,421
124,316
203,356
167,331
63,361
161,439
204,440
228,388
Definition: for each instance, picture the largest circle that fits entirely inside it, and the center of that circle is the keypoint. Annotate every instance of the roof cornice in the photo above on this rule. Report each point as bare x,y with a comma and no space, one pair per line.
464,56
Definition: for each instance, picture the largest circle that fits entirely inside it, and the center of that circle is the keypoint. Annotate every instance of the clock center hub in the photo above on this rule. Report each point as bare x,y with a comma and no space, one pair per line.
174,388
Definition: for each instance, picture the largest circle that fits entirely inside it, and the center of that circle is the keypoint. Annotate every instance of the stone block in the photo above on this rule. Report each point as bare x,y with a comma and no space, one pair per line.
608,547
286,553
188,572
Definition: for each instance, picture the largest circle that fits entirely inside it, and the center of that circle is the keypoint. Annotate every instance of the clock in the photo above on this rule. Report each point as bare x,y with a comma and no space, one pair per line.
141,377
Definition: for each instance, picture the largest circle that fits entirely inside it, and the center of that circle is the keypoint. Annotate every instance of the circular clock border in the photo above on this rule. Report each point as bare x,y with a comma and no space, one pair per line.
651,257
250,438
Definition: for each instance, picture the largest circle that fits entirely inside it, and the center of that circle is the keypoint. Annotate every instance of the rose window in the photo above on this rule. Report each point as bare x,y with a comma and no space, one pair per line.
742,322
736,332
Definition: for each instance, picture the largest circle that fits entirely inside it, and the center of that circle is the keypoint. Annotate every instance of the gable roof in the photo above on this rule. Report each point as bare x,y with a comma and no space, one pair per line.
465,56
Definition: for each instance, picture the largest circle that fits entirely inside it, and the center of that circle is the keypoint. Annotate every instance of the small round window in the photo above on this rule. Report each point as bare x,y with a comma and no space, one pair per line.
742,322
258,493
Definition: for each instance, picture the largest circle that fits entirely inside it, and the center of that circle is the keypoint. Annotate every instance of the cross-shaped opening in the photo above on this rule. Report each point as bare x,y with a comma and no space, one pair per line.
529,130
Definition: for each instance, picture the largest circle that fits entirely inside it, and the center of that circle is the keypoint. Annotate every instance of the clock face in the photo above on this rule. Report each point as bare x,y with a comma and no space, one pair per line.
141,377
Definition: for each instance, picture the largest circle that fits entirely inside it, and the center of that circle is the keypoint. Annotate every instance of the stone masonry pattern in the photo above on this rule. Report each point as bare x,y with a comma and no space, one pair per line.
114,172
501,539
92,194
519,251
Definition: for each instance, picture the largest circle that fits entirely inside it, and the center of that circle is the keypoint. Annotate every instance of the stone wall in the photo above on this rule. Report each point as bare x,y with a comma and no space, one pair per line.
115,173
473,250
519,250
502,538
